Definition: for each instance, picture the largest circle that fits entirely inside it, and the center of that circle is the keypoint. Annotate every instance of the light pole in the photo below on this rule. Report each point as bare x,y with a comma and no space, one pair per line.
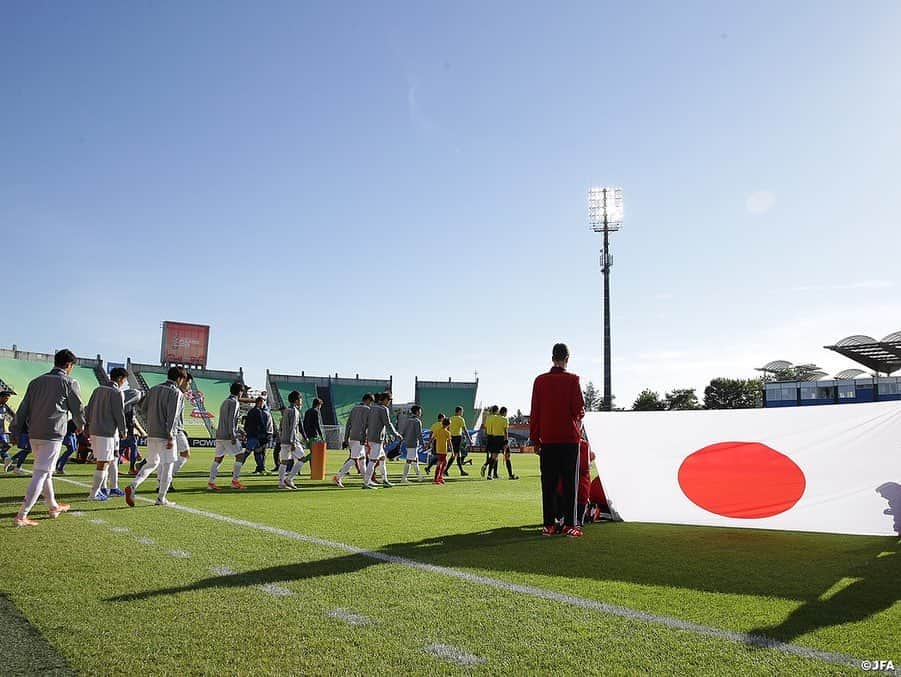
605,215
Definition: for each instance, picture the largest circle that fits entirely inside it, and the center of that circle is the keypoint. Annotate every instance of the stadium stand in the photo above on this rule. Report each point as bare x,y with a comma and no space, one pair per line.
338,395
444,396
210,388
347,393
18,367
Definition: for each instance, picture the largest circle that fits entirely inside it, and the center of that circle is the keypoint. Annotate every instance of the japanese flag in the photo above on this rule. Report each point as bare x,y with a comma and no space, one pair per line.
832,468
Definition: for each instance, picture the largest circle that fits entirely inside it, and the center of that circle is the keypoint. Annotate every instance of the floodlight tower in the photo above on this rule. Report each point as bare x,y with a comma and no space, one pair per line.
605,215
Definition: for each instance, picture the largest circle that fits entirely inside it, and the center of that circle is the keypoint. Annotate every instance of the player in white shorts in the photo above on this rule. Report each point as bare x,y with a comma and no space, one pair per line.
292,437
355,439
378,427
163,403
227,443
106,423
411,429
182,447
49,401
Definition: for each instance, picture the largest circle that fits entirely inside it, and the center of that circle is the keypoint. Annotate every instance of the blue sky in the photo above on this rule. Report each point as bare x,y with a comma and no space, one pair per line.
399,188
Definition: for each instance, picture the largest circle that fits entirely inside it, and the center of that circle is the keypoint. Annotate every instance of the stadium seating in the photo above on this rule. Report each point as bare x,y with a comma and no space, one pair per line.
209,389
347,393
445,396
18,368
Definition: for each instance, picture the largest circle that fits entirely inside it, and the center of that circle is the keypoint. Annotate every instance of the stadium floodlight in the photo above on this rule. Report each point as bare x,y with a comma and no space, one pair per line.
605,215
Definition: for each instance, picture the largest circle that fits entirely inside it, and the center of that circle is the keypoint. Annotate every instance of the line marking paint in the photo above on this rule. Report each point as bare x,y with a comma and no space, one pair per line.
756,641
349,617
222,571
453,654
181,554
144,540
120,530
275,590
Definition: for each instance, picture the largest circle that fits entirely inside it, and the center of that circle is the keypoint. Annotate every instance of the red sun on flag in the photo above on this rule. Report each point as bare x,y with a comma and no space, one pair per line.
748,480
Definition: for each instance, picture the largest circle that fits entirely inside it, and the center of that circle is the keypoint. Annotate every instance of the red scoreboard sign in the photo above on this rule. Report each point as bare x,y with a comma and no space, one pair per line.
185,343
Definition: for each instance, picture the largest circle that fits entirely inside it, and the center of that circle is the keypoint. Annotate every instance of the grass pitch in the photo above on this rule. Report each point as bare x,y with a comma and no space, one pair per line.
288,587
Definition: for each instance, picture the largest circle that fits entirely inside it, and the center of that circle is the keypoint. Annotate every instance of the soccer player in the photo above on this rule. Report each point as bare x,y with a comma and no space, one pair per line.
6,412
130,444
182,446
162,406
555,427
106,422
292,438
355,438
442,447
49,401
227,439
378,427
411,429
435,427
457,431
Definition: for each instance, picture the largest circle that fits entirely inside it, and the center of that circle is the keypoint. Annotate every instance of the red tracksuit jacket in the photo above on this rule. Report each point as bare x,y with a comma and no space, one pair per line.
557,408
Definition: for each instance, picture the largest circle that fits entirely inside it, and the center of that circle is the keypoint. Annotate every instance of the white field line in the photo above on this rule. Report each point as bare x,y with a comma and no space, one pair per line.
349,617
756,641
452,654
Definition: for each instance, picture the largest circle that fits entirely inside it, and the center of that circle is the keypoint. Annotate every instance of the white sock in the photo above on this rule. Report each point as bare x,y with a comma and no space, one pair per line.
384,467
99,476
179,462
406,470
418,471
236,471
296,469
114,474
38,479
367,471
214,471
143,474
348,464
165,477
281,473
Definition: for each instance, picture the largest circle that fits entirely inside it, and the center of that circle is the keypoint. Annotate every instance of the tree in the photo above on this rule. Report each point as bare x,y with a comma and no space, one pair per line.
648,400
733,393
519,419
682,398
798,372
592,397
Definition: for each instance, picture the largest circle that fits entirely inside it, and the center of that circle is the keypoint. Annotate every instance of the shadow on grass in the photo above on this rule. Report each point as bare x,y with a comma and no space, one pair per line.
795,566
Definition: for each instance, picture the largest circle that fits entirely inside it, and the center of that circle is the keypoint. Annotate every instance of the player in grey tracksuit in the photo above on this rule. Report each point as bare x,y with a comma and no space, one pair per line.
49,401
378,427
106,423
355,438
161,407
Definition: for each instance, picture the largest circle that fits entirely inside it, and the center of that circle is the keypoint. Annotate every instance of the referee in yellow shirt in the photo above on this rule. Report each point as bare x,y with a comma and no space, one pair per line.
457,430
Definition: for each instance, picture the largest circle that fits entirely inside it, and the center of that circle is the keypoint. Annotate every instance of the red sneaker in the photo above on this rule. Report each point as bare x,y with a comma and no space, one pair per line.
129,496
212,486
573,532
25,522
550,530
237,485
59,510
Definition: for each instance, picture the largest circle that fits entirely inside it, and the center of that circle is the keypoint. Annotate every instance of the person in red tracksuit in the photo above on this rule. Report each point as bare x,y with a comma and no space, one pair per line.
555,428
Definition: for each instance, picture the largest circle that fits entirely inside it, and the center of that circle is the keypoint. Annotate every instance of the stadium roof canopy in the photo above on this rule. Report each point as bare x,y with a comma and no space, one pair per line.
880,356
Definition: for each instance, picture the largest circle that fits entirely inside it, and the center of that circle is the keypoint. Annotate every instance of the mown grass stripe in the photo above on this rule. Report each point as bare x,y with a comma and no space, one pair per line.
25,650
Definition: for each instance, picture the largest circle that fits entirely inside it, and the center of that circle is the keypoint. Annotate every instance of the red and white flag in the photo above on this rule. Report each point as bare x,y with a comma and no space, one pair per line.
833,469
